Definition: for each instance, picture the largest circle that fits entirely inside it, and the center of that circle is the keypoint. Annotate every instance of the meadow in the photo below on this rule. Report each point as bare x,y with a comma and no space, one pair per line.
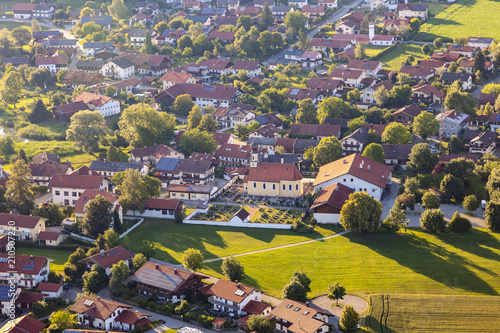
58,257
395,59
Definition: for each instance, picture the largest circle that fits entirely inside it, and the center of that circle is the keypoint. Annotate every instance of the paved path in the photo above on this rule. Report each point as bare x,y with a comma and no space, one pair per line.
282,246
323,303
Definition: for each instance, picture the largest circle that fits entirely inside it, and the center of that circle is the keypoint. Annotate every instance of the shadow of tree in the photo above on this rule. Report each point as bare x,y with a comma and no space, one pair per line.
475,241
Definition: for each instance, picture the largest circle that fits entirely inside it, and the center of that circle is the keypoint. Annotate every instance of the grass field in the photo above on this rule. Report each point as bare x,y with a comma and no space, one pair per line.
463,19
394,60
432,313
372,51
412,262
59,257
12,25
214,241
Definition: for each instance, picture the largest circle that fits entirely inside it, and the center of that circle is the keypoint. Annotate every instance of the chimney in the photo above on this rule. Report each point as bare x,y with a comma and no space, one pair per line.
368,167
371,31
361,165
345,161
156,266
324,174
282,160
383,177
175,271
98,297
102,252
299,324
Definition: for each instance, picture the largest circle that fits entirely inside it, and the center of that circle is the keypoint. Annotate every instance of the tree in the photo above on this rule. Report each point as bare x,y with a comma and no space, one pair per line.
51,213
97,217
306,113
208,124
259,323
458,223
21,35
415,24
295,20
451,187
148,44
304,280
438,42
359,51
135,189
395,133
432,220
7,145
148,249
19,189
396,218
334,107
399,96
192,259
11,87
87,12
353,95
430,201
120,271
421,160
479,62
161,27
381,95
455,145
461,168
62,320
470,203
196,141
335,292
328,150
91,281
113,154
110,90
349,319
425,124
295,291
143,126
461,101
183,43
426,49
21,154
492,215
39,112
35,26
361,213
354,124
182,308
138,260
183,104
118,10
375,152
266,18
87,129
232,269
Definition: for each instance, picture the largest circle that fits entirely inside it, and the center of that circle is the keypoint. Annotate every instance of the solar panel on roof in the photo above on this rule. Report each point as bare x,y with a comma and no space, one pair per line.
4,259
4,293
209,88
29,267
294,92
158,279
192,69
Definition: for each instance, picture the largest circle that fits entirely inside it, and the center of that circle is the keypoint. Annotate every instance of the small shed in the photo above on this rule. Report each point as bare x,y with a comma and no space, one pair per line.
218,324
52,238
53,290
241,216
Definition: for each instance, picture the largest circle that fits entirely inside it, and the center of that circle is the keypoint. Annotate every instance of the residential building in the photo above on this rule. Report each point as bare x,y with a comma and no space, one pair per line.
425,93
418,73
191,192
89,66
232,297
313,11
293,316
483,143
41,174
347,27
103,21
23,324
33,10
171,78
109,169
16,62
75,78
368,94
141,18
357,172
413,10
251,67
297,3
202,94
106,105
50,238
407,114
120,68
397,154
329,202
235,114
137,36
66,189
247,10
159,208
225,37
107,258
167,281
355,142
26,227
28,272
90,48
464,78
265,131
270,118
274,180
299,94
480,42
234,155
326,86
311,59
350,77
46,158
328,3
453,122
329,46
88,195
66,111
152,154
494,121
314,131
468,65
185,171
462,50
55,63
487,98
370,67
396,25
279,13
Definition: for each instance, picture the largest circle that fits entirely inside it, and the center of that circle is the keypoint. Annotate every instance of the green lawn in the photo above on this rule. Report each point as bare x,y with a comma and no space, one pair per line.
436,8
214,241
60,257
463,19
10,25
433,313
394,60
412,262
372,51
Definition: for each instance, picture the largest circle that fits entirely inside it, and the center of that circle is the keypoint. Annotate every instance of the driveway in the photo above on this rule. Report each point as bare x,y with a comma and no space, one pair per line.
323,303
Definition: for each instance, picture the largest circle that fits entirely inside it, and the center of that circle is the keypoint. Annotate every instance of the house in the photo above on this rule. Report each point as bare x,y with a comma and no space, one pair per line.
89,66
33,10
328,3
301,145
225,20
66,189
328,45
436,65
103,21
167,281
127,86
299,94
235,114
66,111
265,131
232,297
396,25
480,42
107,258
464,78
234,155
347,27
297,3
52,290
446,56
90,48
350,77
274,180
314,131
189,192
469,157
203,94
418,73
293,316
406,114
368,94
109,169
251,11
425,93
152,154
46,158
140,18
23,324
137,36
107,315
159,208
279,13
397,154
487,98
453,122
28,272
188,171
54,63
370,67
483,143
152,7
270,118
75,78
462,50
251,67
313,11
41,174
326,86
26,227
171,78
242,216
413,10
106,105
311,59
120,68
50,238
329,202
357,172
468,65
225,37
16,62
229,4
212,11
89,195
494,121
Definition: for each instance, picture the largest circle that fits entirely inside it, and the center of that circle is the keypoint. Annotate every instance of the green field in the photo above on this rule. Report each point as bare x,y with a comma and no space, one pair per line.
432,313
214,241
60,257
412,262
12,25
394,60
464,19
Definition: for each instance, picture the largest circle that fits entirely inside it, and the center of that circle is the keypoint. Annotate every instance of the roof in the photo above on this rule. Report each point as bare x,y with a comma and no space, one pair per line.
397,152
428,90
242,214
190,188
92,98
327,42
21,221
81,77
231,291
221,138
174,165
432,63
25,264
483,40
224,35
76,181
411,110
23,6
164,204
413,7
487,98
255,307
447,76
48,170
29,298
454,116
447,158
248,65
234,111
88,195
301,93
89,63
122,62
267,131
49,287
97,45
364,64
96,307
130,317
299,315
337,121
101,20
157,150
115,166
356,165
234,151
46,157
313,9
163,277
25,324
335,195
48,235
202,91
345,73
317,130
56,59
485,138
310,55
323,83
273,172
110,257
302,144
179,77
416,71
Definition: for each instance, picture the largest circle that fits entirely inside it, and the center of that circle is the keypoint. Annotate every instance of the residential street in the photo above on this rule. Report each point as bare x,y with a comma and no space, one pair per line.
477,91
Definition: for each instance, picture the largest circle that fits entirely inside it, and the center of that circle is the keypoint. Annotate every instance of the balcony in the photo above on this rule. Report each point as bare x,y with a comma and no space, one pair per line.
218,303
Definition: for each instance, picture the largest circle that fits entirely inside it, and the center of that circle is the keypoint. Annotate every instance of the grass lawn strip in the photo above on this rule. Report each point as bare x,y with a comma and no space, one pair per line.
59,257
395,59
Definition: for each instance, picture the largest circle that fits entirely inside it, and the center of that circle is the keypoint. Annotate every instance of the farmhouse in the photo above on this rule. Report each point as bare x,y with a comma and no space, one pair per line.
232,296
329,202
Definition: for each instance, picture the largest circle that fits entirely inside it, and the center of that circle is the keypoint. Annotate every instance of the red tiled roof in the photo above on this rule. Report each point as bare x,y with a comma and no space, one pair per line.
48,170
25,324
226,290
344,73
71,107
301,93
363,64
255,307
76,181
48,235
179,77
91,98
49,287
273,172
158,151
248,65
96,308
202,91
110,257
21,221
323,83
223,35
88,195
234,151
168,204
130,317
29,298
313,9
335,195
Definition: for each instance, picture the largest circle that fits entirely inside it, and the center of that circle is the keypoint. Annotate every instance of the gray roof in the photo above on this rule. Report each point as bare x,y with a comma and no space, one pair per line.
167,164
282,9
302,144
97,45
101,20
277,158
114,166
397,152
122,62
255,142
158,279
137,32
89,63
447,76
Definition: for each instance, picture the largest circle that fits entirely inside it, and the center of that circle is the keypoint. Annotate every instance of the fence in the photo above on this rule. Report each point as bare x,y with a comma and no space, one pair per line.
83,237
132,228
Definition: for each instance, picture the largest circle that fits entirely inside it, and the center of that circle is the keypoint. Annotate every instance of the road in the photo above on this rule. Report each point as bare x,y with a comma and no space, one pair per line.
477,91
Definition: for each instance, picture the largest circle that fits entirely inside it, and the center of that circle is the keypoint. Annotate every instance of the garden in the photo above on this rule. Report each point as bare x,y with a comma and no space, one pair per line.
220,213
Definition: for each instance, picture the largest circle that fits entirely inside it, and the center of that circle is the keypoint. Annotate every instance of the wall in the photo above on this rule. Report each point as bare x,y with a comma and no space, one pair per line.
327,218
132,228
189,220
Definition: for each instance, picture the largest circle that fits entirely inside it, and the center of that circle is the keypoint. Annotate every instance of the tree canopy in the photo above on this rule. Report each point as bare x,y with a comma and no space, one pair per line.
328,150
192,259
87,129
361,213
196,141
375,152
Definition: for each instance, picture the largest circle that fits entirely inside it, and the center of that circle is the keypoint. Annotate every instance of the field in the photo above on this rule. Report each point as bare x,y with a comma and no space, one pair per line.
60,257
394,60
213,241
412,262
433,313
463,19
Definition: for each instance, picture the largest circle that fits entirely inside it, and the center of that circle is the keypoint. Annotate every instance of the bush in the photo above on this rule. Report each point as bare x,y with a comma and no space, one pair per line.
458,223
36,132
432,220
205,321
302,228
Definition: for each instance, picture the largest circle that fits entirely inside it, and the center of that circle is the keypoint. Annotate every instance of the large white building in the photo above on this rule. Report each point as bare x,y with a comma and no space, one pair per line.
106,105
202,94
119,68
66,189
232,296
28,271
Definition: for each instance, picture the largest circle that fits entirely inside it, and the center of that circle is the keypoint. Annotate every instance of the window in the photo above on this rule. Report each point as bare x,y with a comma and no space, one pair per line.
290,187
296,187
66,193
274,187
74,194
254,185
373,190
352,180
263,186
284,187
344,180
58,192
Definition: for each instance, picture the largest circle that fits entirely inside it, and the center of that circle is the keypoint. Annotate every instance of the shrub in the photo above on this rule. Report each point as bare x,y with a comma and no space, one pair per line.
458,223
432,220
302,228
